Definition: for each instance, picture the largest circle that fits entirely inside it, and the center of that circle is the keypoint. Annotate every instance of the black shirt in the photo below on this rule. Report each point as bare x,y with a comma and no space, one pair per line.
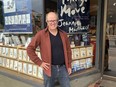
57,50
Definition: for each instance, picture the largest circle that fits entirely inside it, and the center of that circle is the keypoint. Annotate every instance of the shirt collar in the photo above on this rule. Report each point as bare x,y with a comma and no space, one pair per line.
46,29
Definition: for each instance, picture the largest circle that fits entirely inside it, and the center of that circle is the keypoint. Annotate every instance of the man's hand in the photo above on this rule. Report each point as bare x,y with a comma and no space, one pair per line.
45,65
69,71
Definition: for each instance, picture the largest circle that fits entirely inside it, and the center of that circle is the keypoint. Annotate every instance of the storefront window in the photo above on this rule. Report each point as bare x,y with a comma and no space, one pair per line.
110,45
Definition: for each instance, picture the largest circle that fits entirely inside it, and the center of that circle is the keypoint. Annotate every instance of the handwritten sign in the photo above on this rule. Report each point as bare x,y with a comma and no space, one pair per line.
74,15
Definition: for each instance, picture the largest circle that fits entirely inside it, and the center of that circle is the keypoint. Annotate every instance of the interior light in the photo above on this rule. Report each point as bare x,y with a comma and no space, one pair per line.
110,16
114,4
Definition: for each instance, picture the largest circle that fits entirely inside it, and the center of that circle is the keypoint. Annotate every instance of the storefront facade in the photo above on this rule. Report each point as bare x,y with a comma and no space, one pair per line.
86,69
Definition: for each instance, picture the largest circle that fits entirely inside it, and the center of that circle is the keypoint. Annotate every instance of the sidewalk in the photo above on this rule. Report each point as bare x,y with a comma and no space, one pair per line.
104,83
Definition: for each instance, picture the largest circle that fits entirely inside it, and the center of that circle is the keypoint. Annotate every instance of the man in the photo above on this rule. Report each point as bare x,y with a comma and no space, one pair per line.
55,52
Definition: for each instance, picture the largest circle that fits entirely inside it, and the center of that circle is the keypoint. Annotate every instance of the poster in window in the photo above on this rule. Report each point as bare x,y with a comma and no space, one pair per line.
74,15
17,16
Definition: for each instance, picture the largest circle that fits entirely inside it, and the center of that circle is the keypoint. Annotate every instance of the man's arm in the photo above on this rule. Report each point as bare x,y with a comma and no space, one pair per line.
31,49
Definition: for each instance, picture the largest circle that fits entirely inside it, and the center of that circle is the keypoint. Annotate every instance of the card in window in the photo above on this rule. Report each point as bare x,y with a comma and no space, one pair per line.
15,53
34,70
11,52
4,62
20,66
24,67
89,62
7,52
83,63
7,63
3,51
15,65
24,55
40,72
76,53
11,64
89,51
20,54
82,52
0,50
1,61
30,69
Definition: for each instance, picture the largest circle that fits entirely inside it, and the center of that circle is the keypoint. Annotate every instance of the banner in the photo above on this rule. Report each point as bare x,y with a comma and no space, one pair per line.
74,15
17,16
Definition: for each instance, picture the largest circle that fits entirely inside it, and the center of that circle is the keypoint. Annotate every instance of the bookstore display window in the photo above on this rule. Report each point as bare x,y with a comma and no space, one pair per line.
82,45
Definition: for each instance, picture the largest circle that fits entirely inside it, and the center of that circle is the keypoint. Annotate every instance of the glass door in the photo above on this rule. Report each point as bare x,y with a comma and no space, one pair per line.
110,40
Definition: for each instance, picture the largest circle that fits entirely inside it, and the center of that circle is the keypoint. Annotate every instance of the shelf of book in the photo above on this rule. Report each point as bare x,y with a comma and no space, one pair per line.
16,59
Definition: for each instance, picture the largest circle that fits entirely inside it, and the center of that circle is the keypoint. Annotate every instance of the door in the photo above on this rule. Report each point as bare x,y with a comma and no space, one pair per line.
110,39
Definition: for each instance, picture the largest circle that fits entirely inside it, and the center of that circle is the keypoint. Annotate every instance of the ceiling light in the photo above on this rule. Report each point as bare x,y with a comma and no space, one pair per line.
110,16
114,4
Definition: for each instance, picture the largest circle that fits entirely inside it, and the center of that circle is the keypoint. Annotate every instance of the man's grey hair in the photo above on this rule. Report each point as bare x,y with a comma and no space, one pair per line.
51,12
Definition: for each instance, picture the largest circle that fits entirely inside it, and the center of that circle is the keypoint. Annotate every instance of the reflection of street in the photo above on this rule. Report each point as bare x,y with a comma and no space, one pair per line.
112,62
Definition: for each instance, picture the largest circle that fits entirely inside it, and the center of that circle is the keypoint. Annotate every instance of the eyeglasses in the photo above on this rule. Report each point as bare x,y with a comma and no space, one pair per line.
51,21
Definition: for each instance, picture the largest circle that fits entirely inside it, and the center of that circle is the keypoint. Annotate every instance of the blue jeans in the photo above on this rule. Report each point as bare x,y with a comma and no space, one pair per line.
58,73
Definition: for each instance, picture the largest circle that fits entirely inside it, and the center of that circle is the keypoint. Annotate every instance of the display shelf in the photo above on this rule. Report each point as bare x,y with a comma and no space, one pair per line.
16,59
82,58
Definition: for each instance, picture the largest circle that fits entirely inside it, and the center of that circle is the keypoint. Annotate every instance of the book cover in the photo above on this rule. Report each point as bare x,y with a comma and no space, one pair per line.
82,52
89,51
24,67
30,70
20,69
34,70
15,65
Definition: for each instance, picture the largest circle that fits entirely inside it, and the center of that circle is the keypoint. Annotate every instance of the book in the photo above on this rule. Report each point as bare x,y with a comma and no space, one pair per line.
24,67
15,65
76,53
86,39
40,72
7,63
20,66
89,51
11,52
82,52
34,70
7,52
24,55
15,53
11,64
30,70
20,54
1,61
83,63
89,62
